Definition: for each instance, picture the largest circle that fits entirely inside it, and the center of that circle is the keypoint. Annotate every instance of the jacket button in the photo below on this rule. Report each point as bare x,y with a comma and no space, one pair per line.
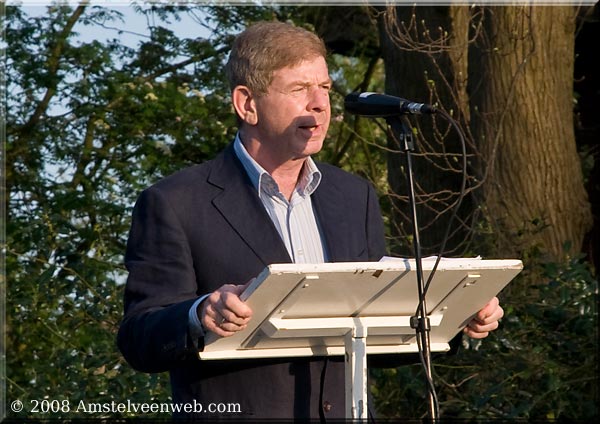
327,406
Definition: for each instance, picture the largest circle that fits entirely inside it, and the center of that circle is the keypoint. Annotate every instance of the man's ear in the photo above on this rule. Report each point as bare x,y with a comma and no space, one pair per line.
244,104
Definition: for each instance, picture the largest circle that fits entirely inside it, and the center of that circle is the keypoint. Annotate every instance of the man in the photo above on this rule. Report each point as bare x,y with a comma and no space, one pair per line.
200,235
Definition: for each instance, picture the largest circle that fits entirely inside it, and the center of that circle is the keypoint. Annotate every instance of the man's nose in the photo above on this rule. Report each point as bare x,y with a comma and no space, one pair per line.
319,99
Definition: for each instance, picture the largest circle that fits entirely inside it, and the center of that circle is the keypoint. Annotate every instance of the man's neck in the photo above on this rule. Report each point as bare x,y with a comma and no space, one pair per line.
287,177
285,172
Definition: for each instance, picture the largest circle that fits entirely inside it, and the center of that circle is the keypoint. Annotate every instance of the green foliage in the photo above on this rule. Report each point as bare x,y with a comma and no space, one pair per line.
90,124
541,364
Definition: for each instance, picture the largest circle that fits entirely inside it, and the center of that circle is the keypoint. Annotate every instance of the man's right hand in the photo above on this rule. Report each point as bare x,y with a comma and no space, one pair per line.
223,312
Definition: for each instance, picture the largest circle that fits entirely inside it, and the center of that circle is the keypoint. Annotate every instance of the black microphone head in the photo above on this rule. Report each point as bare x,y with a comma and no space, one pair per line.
376,105
373,105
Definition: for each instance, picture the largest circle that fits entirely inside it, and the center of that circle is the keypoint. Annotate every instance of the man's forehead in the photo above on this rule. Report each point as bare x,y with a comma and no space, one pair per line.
305,71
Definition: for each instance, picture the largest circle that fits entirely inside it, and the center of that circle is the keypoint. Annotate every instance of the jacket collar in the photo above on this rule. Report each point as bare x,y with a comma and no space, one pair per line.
243,210
240,206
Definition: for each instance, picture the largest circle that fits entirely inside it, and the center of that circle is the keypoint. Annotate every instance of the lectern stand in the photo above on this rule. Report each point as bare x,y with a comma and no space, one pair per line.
355,309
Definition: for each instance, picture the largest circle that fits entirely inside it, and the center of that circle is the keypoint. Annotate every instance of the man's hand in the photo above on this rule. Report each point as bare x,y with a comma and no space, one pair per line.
223,312
485,321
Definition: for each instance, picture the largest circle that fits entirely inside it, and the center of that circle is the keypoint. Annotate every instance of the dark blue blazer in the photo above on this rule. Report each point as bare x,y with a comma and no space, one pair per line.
204,227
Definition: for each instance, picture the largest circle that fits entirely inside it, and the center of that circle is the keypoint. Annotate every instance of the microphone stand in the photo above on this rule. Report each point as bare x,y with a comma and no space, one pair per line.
420,322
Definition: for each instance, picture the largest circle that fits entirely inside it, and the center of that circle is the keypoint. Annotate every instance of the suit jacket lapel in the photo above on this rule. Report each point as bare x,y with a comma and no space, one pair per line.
332,213
242,208
240,205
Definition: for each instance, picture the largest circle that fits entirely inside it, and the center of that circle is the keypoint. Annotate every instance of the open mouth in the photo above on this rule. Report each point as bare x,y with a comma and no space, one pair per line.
309,127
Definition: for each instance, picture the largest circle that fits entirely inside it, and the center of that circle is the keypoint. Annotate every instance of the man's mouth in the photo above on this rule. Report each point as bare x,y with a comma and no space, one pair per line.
309,127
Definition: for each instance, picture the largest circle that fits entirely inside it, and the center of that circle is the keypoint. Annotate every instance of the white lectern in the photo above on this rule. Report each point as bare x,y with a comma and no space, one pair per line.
358,308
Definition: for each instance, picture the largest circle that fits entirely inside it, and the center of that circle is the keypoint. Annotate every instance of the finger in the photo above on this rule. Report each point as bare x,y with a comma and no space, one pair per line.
231,327
223,312
479,331
474,334
231,316
219,325
494,316
233,309
211,318
483,328
223,332
226,328
486,310
492,311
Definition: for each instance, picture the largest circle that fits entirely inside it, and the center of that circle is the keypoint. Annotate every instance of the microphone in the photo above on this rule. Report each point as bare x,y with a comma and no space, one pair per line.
374,105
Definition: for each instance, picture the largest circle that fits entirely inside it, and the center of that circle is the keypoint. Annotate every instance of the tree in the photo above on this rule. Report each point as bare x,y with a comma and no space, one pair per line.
90,124
525,369
478,63
526,177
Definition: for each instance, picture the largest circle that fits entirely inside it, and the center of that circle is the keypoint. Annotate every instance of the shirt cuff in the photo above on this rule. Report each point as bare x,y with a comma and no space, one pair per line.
194,324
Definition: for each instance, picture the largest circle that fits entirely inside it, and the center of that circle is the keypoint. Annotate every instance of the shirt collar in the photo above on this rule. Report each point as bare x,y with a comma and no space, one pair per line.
309,180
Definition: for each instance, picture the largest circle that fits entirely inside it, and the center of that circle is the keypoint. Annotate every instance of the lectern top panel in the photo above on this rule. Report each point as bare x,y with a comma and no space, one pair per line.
326,295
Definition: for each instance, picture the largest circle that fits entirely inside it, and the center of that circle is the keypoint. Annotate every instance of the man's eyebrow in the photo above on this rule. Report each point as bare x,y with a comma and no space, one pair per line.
304,83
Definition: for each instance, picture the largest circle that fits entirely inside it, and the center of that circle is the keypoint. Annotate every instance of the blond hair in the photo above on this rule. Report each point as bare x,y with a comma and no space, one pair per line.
266,47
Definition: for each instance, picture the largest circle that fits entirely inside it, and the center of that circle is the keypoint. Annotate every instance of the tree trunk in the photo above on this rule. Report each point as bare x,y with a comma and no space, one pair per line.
534,191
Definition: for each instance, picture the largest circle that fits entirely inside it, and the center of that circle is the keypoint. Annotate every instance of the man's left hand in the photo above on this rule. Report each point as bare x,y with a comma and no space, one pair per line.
485,321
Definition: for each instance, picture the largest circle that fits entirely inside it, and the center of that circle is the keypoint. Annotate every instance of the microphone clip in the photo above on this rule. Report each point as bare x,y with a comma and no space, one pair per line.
403,131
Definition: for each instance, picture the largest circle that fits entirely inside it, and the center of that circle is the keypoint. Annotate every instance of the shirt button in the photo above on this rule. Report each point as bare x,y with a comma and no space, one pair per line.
327,406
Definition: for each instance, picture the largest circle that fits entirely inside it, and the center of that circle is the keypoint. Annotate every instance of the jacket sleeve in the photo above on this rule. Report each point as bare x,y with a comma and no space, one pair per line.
161,288
375,228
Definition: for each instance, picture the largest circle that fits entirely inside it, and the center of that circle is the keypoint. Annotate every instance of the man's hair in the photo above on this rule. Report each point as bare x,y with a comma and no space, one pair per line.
266,47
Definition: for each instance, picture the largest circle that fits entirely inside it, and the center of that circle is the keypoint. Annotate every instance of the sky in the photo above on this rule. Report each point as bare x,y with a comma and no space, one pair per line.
133,26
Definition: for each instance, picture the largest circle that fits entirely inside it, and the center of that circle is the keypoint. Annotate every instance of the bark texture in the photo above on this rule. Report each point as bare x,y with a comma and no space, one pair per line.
534,191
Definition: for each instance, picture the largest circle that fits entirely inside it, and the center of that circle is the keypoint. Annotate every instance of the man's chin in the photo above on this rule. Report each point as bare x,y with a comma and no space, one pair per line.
311,148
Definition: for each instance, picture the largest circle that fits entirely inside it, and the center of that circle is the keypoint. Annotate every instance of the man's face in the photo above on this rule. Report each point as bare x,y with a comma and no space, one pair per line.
293,116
